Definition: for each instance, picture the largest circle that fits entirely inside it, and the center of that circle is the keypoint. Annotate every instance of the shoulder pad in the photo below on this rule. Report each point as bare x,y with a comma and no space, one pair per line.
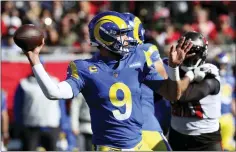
149,47
217,78
150,52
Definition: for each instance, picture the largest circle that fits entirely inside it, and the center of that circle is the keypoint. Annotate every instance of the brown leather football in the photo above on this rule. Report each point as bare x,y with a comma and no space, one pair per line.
28,37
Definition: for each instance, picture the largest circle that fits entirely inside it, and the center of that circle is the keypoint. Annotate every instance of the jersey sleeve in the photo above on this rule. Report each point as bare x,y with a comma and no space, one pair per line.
165,63
151,73
152,54
74,78
151,78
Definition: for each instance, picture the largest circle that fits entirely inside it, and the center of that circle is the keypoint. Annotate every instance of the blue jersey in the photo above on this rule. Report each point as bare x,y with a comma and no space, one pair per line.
163,107
163,113
113,96
151,123
227,89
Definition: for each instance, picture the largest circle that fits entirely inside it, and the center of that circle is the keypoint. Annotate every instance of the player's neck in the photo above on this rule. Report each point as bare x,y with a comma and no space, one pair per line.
109,54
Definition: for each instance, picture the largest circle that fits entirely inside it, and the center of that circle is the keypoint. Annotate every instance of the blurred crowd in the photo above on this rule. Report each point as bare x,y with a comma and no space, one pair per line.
65,24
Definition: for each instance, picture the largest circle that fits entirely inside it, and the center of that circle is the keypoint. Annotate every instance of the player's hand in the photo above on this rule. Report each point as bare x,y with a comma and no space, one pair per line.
35,51
178,54
33,55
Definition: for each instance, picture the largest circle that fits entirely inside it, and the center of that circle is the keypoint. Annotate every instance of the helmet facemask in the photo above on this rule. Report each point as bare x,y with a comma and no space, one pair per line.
122,43
199,49
198,59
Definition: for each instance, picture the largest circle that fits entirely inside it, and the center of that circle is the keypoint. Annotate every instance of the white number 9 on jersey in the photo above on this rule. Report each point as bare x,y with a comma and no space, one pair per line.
127,100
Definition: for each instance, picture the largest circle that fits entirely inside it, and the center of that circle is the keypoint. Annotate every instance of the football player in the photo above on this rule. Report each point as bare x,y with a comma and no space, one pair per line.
151,130
195,116
222,61
110,82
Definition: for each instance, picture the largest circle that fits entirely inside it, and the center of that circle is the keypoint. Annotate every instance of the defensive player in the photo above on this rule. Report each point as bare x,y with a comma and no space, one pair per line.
195,116
151,130
227,125
110,82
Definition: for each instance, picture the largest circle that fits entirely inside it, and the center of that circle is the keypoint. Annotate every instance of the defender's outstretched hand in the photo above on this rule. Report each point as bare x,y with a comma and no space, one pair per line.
178,54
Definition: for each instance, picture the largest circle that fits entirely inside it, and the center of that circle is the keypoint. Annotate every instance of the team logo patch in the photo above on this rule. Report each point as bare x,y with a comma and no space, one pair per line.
93,69
74,72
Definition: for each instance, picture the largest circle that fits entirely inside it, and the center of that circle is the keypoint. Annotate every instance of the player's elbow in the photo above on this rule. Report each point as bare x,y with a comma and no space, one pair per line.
61,91
51,97
175,96
178,94
179,91
172,98
51,94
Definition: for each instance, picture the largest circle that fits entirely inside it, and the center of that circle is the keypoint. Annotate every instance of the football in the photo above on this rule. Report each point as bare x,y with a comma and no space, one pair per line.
28,37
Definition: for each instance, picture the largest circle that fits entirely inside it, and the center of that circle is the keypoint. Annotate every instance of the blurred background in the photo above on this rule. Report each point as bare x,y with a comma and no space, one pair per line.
67,125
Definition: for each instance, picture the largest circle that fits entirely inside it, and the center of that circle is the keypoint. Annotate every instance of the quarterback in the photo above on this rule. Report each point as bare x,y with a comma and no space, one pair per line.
110,82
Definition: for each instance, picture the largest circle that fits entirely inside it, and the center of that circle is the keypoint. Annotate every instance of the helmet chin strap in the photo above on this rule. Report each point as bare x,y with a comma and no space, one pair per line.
186,69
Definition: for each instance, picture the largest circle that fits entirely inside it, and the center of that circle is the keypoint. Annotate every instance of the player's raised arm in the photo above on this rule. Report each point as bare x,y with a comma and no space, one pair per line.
51,90
160,69
157,61
173,87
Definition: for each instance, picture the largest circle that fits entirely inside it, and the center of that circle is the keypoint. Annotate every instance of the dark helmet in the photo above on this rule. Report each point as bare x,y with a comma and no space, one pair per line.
199,47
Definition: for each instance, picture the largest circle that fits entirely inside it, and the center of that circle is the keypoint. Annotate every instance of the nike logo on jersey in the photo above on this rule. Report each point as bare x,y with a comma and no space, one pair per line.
135,65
